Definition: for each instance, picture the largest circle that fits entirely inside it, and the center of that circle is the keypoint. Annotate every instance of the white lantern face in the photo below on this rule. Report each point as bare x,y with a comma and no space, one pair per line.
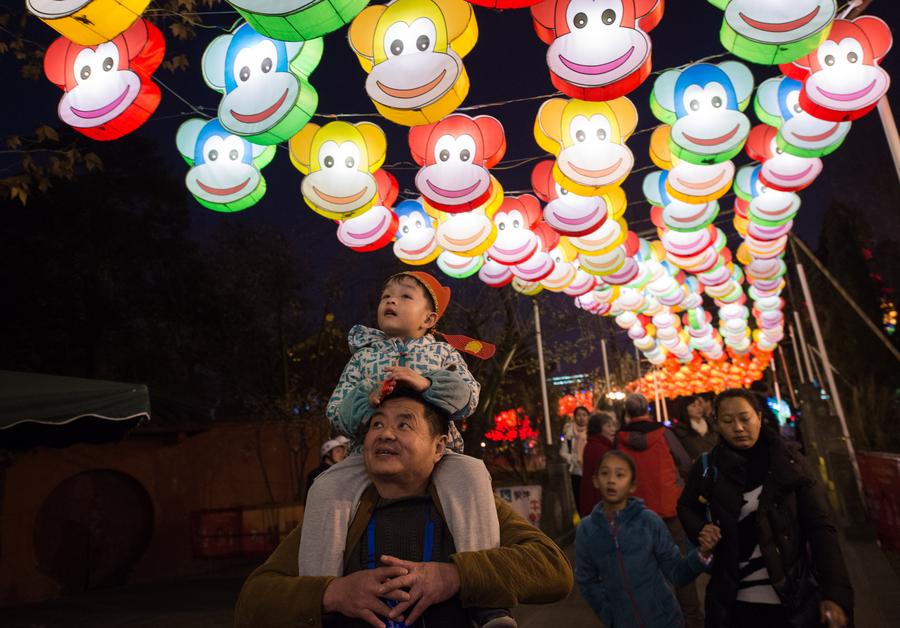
772,205
787,172
687,243
225,172
606,236
593,159
367,229
682,216
414,74
102,90
465,233
572,214
712,123
564,271
582,284
779,22
339,181
846,80
597,49
535,268
451,177
494,274
695,180
415,236
515,241
458,266
804,130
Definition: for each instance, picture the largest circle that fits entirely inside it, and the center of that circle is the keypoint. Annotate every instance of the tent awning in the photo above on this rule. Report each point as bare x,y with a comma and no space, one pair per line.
51,410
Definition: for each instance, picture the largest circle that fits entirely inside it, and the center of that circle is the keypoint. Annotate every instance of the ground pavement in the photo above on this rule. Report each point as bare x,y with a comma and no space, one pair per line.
208,603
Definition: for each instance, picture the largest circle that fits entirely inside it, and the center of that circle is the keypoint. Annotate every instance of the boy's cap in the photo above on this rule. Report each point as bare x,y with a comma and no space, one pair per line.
439,294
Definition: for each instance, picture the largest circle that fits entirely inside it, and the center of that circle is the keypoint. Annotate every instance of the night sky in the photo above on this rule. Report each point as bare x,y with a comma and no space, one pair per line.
507,62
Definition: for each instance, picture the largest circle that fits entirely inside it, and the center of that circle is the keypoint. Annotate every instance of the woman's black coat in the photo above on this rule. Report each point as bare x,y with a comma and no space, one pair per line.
793,525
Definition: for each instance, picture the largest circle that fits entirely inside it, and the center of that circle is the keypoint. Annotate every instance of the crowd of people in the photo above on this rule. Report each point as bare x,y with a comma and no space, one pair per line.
402,529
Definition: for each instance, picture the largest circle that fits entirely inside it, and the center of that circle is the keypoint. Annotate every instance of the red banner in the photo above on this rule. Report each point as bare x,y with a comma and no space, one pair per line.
881,482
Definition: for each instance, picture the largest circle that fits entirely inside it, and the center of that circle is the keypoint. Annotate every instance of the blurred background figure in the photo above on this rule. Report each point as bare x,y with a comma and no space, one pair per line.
332,452
601,432
574,439
693,428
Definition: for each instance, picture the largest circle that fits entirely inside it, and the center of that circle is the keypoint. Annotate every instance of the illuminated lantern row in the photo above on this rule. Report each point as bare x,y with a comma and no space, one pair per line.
297,20
704,103
412,51
597,50
568,403
88,22
109,90
678,380
266,94
842,79
770,32
225,172
588,140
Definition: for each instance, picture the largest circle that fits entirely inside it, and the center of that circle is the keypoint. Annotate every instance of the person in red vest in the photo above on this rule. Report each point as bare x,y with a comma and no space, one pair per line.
601,430
658,453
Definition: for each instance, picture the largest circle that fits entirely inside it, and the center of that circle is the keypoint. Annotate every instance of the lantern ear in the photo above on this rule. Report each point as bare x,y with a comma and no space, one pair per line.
766,103
55,62
719,4
135,38
648,13
387,186
548,125
300,147
651,188
662,98
758,142
741,79
878,34
376,143
462,29
262,155
743,182
361,35
493,137
418,142
186,138
544,15
531,208
213,62
540,179
626,115
660,152
616,202
304,56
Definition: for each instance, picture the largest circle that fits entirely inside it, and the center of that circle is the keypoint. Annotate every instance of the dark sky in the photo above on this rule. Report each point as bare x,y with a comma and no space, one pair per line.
507,62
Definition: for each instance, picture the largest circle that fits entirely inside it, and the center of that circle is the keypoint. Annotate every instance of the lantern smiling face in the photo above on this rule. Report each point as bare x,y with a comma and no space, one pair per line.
108,88
264,81
515,219
225,174
415,243
377,226
599,49
569,213
468,233
456,154
494,274
845,81
773,31
780,170
589,142
705,104
676,214
459,266
413,52
339,160
768,207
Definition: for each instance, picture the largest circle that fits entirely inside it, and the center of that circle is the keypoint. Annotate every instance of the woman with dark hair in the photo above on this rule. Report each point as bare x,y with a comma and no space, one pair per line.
776,528
601,430
692,429
575,438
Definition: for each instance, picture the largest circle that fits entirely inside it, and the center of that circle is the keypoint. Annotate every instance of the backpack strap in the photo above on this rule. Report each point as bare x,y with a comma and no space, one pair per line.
710,475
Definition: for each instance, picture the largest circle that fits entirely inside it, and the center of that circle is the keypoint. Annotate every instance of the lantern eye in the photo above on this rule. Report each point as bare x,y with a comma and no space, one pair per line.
580,19
85,73
561,191
397,47
444,155
422,43
266,65
717,102
601,135
107,64
405,229
328,161
851,50
212,155
349,162
829,59
828,53
418,224
516,224
244,74
261,55
852,57
501,225
233,154
580,135
465,155
448,146
608,17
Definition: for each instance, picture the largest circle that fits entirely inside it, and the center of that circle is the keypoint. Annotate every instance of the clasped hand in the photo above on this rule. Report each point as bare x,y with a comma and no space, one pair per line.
398,376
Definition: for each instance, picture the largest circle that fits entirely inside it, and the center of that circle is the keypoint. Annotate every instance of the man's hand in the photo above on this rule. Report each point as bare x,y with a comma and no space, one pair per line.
357,595
833,615
709,537
428,583
408,378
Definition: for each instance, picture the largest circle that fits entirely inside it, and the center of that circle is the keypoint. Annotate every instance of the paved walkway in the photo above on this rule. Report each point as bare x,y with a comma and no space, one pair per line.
208,603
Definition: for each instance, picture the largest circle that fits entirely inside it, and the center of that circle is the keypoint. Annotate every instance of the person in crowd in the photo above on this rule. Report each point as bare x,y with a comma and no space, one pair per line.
402,353
401,562
776,529
624,554
332,452
658,455
574,439
693,429
760,389
601,431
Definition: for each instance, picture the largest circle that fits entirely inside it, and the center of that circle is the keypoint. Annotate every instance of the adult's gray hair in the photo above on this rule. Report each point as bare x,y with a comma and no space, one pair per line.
636,405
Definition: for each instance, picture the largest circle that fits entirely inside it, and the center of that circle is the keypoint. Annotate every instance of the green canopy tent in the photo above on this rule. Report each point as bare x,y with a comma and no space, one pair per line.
58,411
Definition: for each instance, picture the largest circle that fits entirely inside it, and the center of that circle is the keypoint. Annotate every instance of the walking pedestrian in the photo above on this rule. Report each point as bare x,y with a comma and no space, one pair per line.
601,430
693,429
574,440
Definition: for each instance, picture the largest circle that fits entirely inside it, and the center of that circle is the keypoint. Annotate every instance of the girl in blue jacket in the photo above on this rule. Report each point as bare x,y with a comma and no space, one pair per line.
624,554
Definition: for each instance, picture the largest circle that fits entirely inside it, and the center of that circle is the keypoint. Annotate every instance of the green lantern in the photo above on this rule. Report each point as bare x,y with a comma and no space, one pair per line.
297,20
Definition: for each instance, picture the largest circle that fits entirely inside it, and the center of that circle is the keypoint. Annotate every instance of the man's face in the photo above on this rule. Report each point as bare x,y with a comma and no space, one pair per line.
404,310
399,446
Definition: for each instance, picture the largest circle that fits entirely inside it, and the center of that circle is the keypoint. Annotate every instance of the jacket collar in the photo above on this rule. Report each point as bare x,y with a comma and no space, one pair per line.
785,467
361,336
632,509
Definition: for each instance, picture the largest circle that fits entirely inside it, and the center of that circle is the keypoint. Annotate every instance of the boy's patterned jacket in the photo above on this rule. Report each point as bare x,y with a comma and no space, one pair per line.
453,389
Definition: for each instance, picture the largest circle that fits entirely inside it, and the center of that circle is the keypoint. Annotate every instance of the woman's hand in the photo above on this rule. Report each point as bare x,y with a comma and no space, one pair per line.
709,537
833,615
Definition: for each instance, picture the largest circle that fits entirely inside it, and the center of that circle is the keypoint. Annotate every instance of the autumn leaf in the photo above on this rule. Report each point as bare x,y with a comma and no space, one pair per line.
13,142
45,132
93,161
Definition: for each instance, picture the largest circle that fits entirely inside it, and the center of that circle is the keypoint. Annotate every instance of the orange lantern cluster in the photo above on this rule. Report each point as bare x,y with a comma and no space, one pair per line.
511,425
568,403
677,380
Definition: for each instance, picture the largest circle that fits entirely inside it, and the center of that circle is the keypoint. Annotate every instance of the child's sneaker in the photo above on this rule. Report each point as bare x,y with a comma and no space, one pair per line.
492,618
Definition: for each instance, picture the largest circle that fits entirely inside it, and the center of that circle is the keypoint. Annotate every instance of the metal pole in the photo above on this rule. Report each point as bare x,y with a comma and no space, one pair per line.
787,377
890,130
637,361
665,409
803,347
835,394
796,354
540,352
656,394
605,365
777,387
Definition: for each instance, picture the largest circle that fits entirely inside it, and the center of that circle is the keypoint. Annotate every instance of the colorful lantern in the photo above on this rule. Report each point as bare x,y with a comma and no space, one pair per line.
842,79
588,139
88,22
780,170
494,274
704,103
341,162
109,90
571,214
598,50
412,51
527,288
455,156
565,267
377,226
772,32
458,266
416,243
768,207
468,233
515,221
673,213
777,103
297,20
267,96
225,173
504,4
540,264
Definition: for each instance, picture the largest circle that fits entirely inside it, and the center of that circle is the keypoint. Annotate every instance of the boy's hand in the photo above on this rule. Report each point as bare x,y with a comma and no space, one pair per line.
404,376
709,537
380,392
